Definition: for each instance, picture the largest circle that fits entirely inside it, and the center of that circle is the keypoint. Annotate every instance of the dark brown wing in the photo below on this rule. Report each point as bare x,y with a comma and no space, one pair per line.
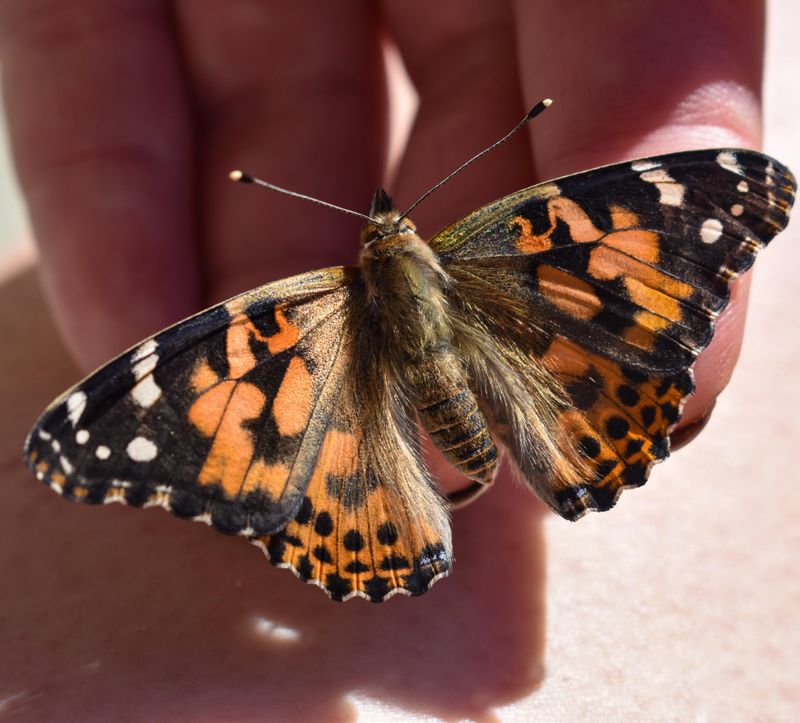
218,418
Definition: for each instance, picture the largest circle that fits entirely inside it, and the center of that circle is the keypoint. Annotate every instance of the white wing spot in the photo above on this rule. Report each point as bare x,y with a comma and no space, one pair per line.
76,405
737,209
56,446
141,450
66,466
82,436
711,230
729,162
644,165
743,186
146,393
145,349
671,191
102,452
46,436
145,366
659,175
144,361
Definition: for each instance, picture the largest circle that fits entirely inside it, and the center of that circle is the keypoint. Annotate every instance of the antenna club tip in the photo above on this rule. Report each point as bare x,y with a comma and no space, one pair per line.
240,177
539,107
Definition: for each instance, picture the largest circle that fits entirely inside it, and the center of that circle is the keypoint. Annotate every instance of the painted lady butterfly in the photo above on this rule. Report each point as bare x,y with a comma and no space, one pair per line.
559,323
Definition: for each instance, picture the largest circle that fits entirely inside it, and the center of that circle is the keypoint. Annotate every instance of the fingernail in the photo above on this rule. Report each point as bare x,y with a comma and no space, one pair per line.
687,432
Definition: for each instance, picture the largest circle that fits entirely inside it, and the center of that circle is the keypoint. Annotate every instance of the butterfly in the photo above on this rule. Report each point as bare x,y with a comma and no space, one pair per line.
556,326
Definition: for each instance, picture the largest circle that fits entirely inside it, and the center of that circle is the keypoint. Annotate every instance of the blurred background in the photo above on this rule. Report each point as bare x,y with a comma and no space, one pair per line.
13,221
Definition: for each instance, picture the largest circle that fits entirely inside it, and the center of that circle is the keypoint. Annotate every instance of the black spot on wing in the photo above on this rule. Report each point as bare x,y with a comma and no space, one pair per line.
323,525
353,541
377,588
337,586
387,533
304,514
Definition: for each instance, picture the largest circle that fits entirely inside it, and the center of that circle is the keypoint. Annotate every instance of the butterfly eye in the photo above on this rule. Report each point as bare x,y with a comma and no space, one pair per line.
369,234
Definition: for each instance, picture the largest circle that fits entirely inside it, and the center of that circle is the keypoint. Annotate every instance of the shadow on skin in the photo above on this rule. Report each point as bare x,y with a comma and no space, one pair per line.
123,614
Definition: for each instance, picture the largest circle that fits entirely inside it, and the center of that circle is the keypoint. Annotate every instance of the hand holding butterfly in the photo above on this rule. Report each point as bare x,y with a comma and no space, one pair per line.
127,182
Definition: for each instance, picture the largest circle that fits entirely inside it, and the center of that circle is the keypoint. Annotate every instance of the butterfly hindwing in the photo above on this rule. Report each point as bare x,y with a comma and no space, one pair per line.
616,277
372,522
218,418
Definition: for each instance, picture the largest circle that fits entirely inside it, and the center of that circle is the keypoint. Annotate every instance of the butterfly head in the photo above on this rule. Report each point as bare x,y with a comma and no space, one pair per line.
385,221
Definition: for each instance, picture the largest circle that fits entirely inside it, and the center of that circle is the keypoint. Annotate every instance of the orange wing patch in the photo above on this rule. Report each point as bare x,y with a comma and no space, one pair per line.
230,405
559,208
567,292
292,404
203,377
622,217
529,242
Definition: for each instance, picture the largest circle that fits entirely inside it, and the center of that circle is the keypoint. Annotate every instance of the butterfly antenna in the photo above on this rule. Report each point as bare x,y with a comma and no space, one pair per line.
241,177
532,113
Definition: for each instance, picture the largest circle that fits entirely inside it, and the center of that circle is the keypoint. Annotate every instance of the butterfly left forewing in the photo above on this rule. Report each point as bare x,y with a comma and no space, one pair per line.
217,418
610,282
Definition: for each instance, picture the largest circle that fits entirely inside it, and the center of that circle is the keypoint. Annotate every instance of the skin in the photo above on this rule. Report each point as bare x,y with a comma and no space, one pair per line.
123,152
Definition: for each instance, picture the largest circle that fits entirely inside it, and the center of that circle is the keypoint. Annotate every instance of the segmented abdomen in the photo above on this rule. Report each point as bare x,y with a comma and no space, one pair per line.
449,411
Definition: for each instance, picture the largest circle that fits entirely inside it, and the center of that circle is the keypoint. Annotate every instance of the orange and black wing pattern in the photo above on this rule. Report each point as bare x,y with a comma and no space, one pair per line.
256,417
619,274
219,418
372,523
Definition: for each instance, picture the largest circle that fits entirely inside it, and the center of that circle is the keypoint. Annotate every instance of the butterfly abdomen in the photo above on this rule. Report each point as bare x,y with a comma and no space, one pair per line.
449,412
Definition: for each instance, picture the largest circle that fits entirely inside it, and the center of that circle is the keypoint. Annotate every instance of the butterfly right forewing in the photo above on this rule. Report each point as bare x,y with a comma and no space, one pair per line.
609,282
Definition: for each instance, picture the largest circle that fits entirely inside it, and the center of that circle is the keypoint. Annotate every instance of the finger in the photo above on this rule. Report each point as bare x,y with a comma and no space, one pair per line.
462,61
460,57
101,136
293,93
632,81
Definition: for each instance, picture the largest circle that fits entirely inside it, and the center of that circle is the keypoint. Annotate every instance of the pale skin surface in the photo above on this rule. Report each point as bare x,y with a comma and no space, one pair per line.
134,614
